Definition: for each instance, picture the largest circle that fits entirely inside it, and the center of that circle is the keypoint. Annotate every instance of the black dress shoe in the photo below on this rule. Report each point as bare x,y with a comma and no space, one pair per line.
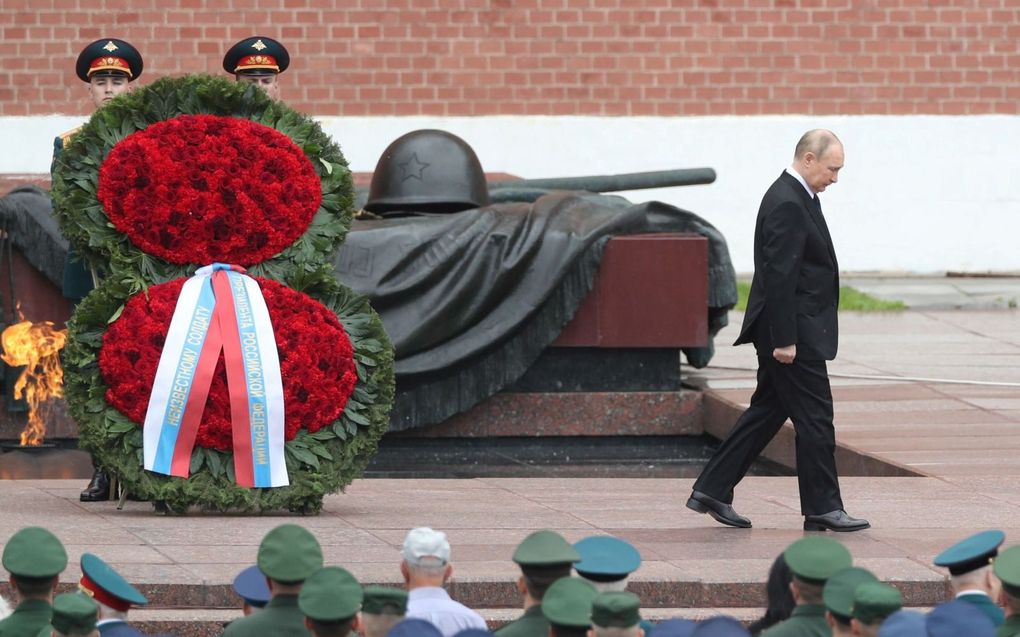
721,511
834,521
98,489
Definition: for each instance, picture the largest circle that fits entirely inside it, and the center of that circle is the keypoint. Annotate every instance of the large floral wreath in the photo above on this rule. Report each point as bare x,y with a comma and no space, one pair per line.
316,359
105,237
204,188
246,180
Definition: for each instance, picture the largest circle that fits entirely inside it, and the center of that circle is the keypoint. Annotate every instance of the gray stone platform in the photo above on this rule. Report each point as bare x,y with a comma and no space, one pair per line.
952,445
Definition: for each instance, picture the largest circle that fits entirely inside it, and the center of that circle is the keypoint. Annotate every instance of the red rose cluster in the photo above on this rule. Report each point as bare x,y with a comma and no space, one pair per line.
316,360
205,188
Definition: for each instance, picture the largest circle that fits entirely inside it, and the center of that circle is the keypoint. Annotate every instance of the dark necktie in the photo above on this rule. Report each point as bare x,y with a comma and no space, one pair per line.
816,209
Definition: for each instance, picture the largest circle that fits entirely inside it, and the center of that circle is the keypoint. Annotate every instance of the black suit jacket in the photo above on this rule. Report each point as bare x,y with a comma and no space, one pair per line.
795,290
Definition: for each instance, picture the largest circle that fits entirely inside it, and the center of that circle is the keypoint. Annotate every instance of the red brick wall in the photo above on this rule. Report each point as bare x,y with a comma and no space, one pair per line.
549,57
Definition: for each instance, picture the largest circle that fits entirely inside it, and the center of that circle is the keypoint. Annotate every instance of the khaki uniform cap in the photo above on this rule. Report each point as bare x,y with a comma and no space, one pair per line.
34,552
379,600
618,609
289,553
1007,569
875,601
838,593
816,559
568,602
331,594
545,548
74,613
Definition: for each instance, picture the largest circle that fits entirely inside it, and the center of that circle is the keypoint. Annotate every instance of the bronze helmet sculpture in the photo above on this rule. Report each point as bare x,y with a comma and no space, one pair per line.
429,171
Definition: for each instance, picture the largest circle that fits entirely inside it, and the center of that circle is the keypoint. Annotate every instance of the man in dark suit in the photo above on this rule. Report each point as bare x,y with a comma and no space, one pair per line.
791,319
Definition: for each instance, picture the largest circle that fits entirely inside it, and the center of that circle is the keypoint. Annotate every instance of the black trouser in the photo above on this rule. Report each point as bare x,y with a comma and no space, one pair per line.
799,391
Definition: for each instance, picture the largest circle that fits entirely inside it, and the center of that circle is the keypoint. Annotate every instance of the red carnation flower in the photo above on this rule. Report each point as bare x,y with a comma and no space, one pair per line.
316,360
217,181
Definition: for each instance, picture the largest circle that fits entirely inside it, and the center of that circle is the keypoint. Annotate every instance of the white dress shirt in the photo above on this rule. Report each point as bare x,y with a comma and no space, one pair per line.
796,175
433,604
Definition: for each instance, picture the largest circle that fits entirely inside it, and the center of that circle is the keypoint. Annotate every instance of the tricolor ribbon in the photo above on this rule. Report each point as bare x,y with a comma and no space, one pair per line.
219,309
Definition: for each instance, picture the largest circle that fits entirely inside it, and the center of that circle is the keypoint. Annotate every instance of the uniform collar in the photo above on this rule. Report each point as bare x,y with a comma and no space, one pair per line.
973,592
283,601
34,605
808,610
105,622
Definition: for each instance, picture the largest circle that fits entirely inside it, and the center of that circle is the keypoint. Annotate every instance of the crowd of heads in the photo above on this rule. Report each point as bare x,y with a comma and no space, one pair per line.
568,590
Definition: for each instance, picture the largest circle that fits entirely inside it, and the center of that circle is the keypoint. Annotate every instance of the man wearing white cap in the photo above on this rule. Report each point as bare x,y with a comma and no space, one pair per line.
426,568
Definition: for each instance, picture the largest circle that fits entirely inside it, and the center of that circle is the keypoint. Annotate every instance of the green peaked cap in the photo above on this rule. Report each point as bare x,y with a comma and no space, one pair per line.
34,552
74,613
330,594
874,601
568,602
545,548
816,559
838,594
379,600
1007,569
619,609
289,553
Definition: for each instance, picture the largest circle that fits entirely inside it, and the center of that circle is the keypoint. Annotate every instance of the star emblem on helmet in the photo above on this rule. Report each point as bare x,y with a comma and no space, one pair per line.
110,46
412,168
259,45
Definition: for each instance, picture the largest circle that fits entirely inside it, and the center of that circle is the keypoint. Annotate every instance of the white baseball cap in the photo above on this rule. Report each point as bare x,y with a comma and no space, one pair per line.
425,542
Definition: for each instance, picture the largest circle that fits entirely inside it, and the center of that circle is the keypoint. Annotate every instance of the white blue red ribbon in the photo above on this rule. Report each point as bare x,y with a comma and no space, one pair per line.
219,309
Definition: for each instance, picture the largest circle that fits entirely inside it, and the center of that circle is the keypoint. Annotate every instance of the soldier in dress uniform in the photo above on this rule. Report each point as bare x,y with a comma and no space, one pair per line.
381,609
544,557
113,594
35,558
812,561
567,607
838,596
607,563
970,571
330,601
873,602
74,615
288,555
259,60
108,66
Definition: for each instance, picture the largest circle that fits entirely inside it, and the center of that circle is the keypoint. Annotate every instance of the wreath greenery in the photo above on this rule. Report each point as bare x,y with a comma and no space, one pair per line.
319,462
84,222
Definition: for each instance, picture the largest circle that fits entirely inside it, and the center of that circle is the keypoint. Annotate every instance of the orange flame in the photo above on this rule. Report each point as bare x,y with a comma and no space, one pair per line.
36,346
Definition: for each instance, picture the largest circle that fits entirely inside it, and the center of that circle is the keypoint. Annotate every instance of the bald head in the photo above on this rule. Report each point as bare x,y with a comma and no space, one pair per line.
818,158
817,141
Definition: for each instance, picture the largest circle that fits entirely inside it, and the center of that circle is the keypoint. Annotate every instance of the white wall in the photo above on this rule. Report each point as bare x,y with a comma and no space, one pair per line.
918,194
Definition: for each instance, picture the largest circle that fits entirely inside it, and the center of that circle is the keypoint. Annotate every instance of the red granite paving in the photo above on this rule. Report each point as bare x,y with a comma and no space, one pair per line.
962,440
